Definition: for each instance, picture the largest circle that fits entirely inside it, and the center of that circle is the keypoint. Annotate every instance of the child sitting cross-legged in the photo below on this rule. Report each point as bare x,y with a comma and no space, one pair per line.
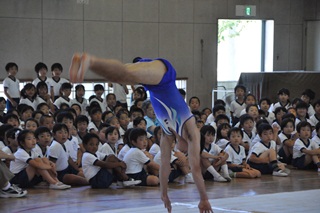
213,158
136,159
306,152
263,156
237,157
101,169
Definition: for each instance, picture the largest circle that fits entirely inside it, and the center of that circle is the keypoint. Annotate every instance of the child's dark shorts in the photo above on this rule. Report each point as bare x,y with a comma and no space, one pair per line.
68,170
299,163
140,176
236,169
23,181
103,179
264,168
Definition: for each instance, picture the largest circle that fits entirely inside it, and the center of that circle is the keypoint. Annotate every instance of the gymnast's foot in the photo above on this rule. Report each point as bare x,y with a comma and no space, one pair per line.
79,65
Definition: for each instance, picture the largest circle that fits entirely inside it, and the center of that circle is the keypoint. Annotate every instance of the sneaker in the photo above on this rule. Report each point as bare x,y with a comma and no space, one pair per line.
13,191
287,171
219,179
59,185
78,67
131,182
279,173
189,178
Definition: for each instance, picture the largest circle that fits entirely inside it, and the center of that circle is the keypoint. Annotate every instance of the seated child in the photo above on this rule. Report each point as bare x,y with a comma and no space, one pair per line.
44,138
135,159
68,172
155,148
127,144
287,138
11,137
29,168
222,135
247,124
264,104
31,124
306,152
213,158
111,135
237,156
140,122
6,188
47,121
100,169
316,137
263,156
180,170
216,110
238,104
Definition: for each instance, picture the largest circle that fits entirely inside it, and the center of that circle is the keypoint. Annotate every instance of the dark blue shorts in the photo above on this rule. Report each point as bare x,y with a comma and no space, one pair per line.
284,158
140,176
23,181
264,168
236,169
68,170
174,174
103,179
299,163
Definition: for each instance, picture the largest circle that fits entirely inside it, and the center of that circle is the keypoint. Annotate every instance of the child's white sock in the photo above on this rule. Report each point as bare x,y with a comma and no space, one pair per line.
224,169
213,172
7,186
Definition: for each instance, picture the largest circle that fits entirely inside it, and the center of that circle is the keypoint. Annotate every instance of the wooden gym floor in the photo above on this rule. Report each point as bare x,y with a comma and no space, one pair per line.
300,192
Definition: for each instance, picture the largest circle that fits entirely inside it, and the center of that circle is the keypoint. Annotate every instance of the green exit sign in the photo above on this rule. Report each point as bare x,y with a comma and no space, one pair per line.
246,10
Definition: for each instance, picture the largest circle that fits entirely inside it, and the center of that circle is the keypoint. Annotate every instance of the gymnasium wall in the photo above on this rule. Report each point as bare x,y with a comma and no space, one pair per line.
52,30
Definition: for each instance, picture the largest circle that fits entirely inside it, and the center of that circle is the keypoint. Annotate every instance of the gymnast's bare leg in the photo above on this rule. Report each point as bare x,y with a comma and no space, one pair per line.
149,73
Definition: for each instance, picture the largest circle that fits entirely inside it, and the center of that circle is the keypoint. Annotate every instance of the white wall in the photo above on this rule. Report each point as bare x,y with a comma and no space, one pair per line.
51,30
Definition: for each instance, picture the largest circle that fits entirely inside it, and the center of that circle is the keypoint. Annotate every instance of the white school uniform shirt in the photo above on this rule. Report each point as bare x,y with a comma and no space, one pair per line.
13,87
27,101
213,149
107,149
299,145
260,147
236,108
7,150
234,156
247,138
88,159
278,104
57,84
314,120
222,143
22,160
297,121
38,150
61,100
48,81
102,103
93,126
135,160
60,153
123,151
311,111
157,158
84,104
270,117
210,119
283,137
2,145
316,139
72,146
154,149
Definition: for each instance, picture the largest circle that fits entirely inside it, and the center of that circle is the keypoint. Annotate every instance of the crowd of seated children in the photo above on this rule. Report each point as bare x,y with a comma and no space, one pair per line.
128,142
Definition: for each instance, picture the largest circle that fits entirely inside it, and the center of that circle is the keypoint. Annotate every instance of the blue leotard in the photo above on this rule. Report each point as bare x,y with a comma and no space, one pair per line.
170,108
